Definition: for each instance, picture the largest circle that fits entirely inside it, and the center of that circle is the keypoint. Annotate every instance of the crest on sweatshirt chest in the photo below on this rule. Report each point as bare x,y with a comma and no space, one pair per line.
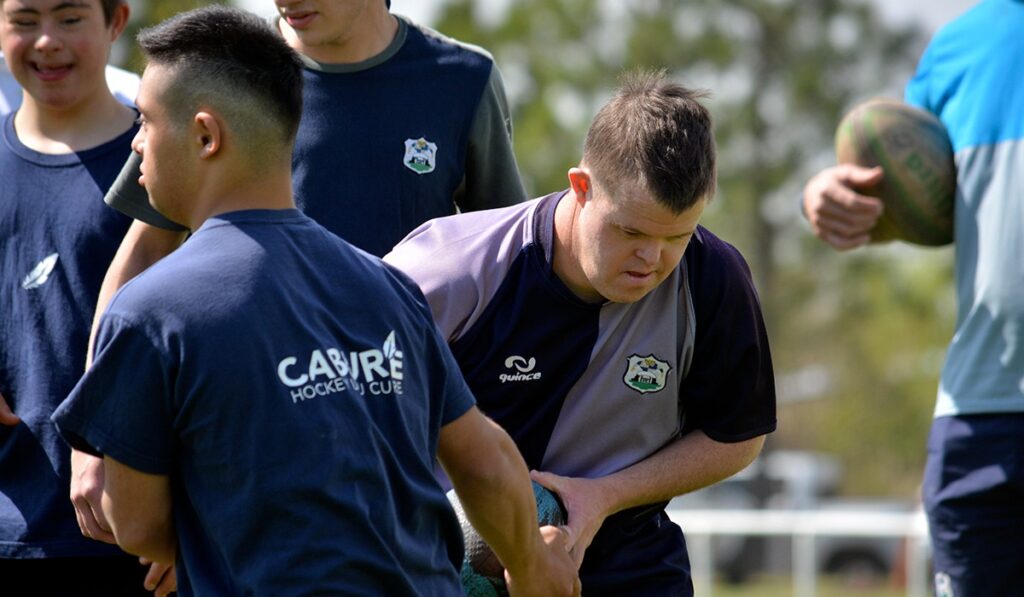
420,155
646,374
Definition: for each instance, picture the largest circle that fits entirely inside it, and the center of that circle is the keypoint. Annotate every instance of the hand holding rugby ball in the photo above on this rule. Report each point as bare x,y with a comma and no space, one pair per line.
913,149
482,573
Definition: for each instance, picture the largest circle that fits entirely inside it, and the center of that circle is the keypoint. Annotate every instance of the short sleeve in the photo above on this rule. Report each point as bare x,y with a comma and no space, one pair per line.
127,196
456,395
450,395
729,393
122,405
426,256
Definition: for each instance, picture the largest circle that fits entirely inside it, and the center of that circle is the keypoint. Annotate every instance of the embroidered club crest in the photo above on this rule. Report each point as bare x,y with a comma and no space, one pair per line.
646,374
420,155
943,585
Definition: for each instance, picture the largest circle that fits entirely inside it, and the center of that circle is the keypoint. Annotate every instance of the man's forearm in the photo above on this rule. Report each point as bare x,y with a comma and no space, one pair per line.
138,506
687,464
493,485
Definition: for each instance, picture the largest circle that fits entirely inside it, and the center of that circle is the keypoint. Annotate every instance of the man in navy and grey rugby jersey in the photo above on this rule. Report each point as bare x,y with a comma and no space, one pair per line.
619,343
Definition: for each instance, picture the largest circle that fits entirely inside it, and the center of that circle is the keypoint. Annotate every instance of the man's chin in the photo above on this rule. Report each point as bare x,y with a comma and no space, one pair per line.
626,295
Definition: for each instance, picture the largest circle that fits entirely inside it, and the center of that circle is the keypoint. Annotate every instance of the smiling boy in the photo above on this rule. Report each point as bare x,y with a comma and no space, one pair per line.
60,151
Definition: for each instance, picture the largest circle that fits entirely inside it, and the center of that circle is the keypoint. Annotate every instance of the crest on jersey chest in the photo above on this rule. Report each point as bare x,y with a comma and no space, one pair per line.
420,155
646,374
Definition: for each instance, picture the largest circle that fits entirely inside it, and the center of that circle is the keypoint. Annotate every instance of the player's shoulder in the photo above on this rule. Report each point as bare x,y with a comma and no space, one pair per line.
981,30
164,283
453,242
977,23
714,265
707,248
454,52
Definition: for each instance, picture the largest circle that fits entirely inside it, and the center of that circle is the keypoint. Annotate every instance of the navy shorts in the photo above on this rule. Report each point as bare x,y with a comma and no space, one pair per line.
637,552
974,496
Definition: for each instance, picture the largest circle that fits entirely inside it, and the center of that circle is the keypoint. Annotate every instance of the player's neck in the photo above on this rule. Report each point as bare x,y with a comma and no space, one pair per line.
564,258
235,191
67,129
367,39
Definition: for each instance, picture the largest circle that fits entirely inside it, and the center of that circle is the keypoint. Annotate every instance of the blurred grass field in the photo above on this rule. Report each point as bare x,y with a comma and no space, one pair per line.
782,586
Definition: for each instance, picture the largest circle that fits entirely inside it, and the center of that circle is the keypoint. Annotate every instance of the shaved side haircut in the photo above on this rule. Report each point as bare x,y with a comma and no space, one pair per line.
234,61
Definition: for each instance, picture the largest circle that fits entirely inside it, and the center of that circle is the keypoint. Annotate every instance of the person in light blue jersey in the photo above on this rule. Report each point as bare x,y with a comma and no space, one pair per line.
268,400
970,78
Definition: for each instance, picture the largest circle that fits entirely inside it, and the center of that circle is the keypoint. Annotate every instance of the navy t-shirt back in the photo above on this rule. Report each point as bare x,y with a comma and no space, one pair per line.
293,389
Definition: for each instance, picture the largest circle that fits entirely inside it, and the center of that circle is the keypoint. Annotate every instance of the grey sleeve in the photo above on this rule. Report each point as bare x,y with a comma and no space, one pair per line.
492,177
127,196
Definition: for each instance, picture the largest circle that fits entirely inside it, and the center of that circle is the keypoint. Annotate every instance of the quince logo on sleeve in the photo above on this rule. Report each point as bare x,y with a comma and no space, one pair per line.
326,371
420,155
646,374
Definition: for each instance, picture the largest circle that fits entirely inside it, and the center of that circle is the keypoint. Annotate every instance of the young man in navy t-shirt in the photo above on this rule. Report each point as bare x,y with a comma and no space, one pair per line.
620,344
59,152
400,124
269,400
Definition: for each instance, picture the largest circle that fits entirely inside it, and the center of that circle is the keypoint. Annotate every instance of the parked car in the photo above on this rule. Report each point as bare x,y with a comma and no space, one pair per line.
797,480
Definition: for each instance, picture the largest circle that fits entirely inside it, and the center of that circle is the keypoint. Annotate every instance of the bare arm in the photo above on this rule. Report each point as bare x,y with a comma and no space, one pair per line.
482,462
142,246
138,506
687,464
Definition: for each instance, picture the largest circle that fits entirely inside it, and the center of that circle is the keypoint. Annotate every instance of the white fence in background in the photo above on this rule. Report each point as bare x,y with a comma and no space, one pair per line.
805,527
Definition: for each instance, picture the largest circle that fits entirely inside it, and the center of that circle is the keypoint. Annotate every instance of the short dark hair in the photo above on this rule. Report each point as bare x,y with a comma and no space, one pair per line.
108,7
235,61
656,133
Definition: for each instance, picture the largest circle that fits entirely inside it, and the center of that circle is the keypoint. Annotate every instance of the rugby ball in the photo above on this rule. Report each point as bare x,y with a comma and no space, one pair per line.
482,573
913,148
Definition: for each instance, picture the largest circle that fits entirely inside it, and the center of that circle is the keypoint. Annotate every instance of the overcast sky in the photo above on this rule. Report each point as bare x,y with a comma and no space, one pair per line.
931,14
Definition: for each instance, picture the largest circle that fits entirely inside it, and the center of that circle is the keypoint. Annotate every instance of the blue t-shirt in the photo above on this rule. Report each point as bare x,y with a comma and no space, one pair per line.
57,238
403,145
388,143
589,389
972,77
293,389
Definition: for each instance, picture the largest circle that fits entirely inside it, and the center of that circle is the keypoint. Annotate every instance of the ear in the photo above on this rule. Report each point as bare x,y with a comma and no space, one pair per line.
208,134
118,20
580,183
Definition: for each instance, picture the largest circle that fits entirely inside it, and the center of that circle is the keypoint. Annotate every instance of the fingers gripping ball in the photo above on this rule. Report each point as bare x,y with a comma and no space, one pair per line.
482,572
913,148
